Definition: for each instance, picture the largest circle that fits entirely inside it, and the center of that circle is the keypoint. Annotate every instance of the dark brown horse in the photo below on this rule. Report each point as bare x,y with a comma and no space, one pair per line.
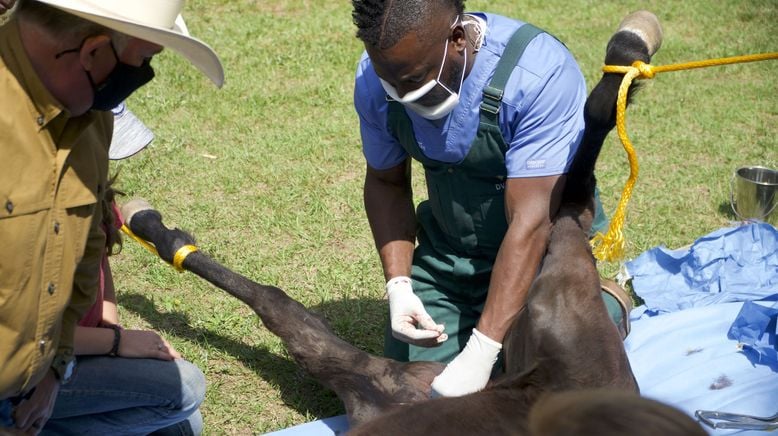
562,340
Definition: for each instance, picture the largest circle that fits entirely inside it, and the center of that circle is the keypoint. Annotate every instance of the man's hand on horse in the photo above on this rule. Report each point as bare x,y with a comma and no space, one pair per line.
470,370
410,321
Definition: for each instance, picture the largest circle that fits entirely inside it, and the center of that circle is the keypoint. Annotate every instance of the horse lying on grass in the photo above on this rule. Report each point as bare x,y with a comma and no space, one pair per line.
562,340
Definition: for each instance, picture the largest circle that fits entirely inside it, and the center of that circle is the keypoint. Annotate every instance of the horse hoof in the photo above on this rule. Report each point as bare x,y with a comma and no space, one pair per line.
132,207
646,26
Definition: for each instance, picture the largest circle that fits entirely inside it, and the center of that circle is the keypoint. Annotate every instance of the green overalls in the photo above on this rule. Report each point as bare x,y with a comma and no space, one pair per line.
463,222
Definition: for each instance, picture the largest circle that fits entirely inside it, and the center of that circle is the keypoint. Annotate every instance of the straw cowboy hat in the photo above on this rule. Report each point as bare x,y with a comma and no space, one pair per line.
157,21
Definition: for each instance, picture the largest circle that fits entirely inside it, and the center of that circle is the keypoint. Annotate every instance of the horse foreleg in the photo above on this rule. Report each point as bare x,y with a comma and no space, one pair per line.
367,385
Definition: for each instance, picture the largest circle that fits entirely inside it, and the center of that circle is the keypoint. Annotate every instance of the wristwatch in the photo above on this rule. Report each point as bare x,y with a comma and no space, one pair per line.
63,366
117,336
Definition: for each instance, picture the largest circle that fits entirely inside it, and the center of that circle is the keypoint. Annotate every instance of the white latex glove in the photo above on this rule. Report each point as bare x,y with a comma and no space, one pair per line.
410,321
470,370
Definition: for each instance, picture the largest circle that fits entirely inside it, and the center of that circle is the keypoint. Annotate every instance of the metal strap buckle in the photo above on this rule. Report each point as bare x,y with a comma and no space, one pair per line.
492,100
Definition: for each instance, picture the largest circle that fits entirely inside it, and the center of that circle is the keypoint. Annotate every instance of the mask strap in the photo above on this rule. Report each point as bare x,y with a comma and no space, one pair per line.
80,46
78,49
462,79
477,30
445,52
71,50
95,87
443,63
456,20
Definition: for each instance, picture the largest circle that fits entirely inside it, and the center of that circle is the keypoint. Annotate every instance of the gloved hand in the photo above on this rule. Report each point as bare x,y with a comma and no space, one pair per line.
406,312
470,370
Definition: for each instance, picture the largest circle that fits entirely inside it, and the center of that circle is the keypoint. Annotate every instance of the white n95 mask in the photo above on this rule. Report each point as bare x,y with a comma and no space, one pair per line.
437,111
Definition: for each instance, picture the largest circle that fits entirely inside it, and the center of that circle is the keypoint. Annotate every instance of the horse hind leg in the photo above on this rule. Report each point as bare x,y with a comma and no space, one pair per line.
564,309
638,37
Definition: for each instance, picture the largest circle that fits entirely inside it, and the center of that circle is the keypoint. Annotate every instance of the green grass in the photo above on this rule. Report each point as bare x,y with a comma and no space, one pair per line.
281,201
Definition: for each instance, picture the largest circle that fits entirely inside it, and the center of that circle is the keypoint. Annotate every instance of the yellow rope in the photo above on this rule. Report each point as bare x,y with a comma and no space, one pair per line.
610,246
144,243
181,254
178,258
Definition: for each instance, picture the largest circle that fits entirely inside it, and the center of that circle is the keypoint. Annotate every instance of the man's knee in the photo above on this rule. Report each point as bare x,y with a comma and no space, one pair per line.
192,386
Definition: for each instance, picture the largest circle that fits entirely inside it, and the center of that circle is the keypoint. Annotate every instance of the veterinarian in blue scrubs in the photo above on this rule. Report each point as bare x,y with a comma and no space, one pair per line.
495,121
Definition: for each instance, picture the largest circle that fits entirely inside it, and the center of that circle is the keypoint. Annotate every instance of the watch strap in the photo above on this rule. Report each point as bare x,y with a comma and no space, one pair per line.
117,337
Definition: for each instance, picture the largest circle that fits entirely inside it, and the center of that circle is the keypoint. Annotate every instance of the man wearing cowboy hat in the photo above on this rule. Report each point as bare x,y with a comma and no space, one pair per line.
63,65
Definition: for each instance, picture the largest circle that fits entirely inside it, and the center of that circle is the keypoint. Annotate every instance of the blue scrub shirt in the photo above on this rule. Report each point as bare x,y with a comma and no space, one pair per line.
541,117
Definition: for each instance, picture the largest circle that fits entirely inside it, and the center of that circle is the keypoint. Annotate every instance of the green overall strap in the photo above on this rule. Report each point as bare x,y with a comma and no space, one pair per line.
490,106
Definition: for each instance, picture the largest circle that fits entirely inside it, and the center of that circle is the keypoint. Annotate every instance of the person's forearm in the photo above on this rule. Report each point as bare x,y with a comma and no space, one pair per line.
110,313
389,207
93,341
530,205
514,270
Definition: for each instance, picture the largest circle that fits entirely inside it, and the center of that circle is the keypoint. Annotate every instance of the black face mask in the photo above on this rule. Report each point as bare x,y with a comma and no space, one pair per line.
120,83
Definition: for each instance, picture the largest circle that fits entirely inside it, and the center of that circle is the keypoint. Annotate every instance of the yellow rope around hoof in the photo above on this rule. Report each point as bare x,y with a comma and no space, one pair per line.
143,243
178,258
610,246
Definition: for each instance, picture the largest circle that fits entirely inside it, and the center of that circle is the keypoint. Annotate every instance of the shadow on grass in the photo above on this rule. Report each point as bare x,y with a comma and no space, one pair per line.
725,209
352,320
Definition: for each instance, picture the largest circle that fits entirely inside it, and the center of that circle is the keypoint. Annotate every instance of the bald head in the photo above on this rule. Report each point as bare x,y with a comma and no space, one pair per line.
382,23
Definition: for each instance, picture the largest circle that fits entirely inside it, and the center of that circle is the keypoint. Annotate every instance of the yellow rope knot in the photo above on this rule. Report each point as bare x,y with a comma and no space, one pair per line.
646,70
610,246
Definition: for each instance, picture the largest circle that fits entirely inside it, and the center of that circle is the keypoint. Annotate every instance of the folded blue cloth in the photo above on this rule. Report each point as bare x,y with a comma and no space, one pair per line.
755,330
685,359
728,265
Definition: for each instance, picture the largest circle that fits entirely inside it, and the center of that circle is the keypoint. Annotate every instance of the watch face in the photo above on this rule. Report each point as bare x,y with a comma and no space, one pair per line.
64,368
69,370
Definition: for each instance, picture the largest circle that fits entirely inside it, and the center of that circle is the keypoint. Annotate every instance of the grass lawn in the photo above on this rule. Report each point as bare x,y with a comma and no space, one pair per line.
267,173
